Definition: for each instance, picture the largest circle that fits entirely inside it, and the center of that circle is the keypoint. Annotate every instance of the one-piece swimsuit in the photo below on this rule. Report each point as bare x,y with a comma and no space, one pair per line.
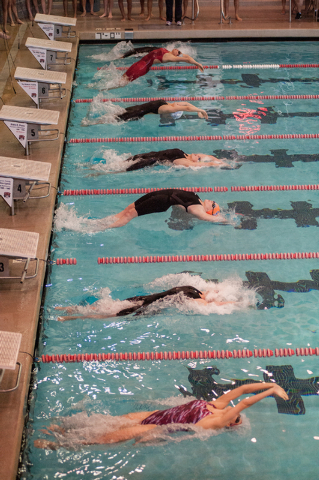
138,111
148,159
191,412
141,67
188,291
162,200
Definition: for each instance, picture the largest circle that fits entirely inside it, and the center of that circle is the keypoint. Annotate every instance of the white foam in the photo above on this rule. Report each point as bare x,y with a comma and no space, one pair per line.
102,112
184,47
67,217
108,77
114,162
117,52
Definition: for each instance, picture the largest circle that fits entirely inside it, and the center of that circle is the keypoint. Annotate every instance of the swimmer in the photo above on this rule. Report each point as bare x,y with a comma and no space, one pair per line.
143,301
177,157
213,415
160,107
160,55
160,201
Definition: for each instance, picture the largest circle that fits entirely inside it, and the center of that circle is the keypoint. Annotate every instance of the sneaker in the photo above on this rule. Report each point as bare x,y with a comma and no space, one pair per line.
298,16
168,23
179,24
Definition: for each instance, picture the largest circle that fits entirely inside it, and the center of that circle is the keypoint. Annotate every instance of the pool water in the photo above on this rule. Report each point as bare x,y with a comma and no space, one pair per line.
269,445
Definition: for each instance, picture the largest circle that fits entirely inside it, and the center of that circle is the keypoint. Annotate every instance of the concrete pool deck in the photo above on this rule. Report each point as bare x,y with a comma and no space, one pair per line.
20,303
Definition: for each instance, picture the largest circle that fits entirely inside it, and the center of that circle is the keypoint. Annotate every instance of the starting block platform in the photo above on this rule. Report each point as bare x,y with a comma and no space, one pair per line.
52,25
21,246
46,51
9,349
38,84
18,178
25,124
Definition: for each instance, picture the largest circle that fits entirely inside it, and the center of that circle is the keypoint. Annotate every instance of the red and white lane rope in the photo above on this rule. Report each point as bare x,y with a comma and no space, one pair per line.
228,67
273,188
121,191
179,355
203,98
231,257
65,261
134,191
192,138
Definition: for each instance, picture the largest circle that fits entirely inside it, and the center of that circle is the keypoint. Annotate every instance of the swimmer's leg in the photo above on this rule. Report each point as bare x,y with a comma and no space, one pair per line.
124,434
121,218
46,444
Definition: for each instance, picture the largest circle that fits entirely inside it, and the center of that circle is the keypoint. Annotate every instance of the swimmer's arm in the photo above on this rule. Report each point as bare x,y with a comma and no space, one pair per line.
169,57
199,212
183,107
224,400
189,163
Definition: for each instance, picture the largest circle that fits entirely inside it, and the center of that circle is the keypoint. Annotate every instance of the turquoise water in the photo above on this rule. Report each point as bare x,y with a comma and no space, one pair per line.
269,445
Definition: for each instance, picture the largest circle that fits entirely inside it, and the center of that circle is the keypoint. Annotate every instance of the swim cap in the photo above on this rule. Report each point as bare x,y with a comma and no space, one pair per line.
215,210
176,115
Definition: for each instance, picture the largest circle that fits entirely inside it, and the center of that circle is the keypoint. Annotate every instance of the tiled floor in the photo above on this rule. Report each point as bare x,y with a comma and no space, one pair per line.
20,303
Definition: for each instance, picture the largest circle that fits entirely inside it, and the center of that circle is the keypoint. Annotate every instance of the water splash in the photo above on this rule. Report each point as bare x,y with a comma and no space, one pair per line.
102,112
67,217
107,160
117,52
184,47
108,77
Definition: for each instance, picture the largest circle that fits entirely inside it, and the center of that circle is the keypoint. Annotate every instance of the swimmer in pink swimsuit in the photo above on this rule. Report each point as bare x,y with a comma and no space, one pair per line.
208,415
160,55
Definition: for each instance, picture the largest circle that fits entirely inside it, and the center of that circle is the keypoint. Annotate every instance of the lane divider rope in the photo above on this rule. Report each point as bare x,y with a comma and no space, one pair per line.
65,261
192,138
227,67
274,188
121,191
187,99
207,258
129,191
179,355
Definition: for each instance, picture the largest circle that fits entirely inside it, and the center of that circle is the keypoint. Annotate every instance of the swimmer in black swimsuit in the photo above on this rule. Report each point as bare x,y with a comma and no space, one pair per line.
142,302
161,201
136,112
177,157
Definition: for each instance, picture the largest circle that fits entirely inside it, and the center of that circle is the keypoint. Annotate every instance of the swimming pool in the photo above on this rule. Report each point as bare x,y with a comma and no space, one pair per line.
120,387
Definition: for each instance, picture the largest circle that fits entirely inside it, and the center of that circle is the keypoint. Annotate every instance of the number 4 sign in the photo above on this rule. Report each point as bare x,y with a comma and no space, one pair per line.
6,190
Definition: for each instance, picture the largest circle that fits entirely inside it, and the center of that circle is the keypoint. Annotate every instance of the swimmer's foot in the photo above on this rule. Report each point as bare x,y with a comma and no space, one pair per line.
103,15
141,14
123,19
93,13
162,18
238,18
83,14
130,19
283,11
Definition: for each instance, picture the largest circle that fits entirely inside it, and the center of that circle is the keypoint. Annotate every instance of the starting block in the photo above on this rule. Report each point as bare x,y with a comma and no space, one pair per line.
52,25
9,349
19,177
25,124
18,246
46,51
38,84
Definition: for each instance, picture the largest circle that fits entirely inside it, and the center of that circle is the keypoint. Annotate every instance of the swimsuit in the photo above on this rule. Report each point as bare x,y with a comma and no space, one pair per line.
164,199
138,111
188,291
141,67
137,50
149,159
191,412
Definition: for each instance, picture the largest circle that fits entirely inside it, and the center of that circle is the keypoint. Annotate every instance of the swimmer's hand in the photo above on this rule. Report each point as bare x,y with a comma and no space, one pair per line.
203,114
280,392
200,67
